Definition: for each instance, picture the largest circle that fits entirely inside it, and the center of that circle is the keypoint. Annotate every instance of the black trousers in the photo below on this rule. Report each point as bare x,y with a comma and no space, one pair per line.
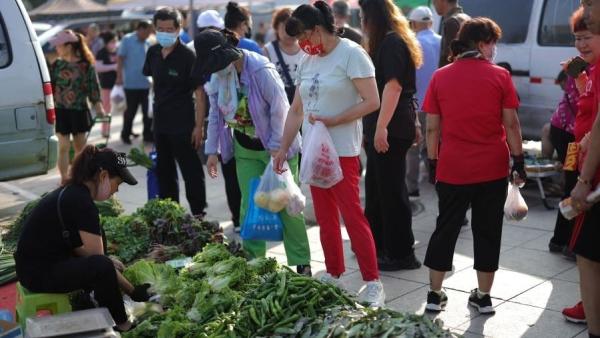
232,190
563,227
178,147
487,203
387,207
135,98
94,273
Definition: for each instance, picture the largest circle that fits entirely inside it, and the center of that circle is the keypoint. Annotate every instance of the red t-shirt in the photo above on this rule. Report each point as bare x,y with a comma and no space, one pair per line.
469,96
590,116
587,108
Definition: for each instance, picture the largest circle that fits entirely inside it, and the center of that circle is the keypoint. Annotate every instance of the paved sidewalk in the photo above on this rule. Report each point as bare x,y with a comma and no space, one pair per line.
531,287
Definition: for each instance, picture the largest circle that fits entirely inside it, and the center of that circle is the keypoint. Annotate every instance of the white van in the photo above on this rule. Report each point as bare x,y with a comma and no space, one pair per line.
536,38
27,142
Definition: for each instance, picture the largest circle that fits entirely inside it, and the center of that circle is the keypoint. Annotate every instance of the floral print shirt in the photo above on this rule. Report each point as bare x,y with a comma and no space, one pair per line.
73,83
564,116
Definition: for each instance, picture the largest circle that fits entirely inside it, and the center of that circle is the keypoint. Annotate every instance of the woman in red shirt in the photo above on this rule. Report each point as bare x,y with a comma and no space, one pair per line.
586,235
471,105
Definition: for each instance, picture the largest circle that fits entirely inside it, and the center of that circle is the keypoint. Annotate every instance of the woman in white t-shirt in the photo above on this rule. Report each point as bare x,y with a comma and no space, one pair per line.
336,85
285,52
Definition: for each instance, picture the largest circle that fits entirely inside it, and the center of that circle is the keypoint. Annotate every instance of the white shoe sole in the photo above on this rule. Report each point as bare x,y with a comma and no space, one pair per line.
575,320
483,309
436,307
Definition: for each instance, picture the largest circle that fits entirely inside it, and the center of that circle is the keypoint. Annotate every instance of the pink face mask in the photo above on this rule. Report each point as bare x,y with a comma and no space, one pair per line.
103,192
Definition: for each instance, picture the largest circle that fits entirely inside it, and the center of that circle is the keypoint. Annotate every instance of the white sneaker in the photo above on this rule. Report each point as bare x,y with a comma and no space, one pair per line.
327,278
372,293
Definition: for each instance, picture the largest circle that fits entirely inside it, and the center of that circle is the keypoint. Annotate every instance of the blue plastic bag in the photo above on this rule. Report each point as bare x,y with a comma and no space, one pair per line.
261,224
152,178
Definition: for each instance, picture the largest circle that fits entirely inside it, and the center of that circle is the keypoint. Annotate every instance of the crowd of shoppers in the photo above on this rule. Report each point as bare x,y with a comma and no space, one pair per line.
377,95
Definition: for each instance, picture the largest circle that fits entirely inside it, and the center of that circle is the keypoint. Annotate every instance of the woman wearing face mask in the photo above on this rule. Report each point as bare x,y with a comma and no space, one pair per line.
390,132
239,21
247,97
106,66
61,249
285,52
471,105
74,81
336,85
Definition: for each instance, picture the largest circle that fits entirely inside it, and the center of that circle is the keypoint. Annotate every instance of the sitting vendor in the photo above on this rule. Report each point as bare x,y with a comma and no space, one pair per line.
61,248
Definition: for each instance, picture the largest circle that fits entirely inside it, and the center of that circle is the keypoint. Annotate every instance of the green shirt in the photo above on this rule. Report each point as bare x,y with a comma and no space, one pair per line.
73,83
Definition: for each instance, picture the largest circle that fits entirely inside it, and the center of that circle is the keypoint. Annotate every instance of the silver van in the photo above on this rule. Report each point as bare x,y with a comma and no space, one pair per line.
27,142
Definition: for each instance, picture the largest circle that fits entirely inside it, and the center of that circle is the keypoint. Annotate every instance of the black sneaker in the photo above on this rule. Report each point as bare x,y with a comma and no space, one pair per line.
436,302
483,304
553,247
409,262
568,254
125,139
304,270
465,222
415,193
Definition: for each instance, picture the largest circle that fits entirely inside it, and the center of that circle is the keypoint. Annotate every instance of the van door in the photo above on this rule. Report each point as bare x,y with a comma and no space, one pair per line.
26,129
554,43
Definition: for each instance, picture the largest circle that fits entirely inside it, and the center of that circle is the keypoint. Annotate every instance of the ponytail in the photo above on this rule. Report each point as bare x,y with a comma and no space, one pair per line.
84,167
327,16
473,32
308,16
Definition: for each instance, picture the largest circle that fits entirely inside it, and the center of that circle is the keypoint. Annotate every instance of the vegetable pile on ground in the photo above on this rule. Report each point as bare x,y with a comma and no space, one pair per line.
160,229
110,207
221,294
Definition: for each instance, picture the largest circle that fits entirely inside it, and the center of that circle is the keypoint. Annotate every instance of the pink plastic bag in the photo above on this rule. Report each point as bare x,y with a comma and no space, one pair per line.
320,165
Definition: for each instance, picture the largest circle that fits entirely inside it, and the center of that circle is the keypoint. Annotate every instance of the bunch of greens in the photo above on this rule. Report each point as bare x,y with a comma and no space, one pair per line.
139,157
110,207
11,237
161,277
127,236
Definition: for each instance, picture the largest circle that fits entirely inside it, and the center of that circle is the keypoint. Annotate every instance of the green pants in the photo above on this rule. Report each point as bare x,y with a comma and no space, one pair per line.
251,164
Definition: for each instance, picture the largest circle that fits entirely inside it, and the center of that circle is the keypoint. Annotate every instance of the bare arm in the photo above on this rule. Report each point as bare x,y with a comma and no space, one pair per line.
101,67
433,135
590,166
510,120
293,122
198,132
124,284
389,102
92,245
367,89
120,60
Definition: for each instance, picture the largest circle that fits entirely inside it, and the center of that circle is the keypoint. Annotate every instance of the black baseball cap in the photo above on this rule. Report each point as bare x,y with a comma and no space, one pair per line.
214,52
115,163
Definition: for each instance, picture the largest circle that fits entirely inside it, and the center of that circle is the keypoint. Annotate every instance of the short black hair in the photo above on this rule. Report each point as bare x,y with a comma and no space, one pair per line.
143,25
166,14
235,15
107,36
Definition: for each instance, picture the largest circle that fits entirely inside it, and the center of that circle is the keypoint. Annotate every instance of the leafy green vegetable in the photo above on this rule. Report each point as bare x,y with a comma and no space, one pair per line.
11,237
165,209
128,236
111,207
161,277
139,157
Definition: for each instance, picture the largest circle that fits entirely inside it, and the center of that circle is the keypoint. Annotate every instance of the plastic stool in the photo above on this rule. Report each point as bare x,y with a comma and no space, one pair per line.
29,303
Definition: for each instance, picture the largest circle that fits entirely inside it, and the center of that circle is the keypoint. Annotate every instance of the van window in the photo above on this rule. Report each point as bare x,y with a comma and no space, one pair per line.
555,29
5,53
511,15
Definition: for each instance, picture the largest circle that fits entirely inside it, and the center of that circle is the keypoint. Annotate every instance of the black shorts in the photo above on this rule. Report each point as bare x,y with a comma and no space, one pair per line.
73,121
588,238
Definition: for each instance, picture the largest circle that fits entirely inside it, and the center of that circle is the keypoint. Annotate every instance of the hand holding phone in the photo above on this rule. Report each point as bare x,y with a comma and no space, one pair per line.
576,66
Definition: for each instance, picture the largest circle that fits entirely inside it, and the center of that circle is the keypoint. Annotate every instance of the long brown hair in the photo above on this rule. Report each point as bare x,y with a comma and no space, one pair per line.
383,16
80,49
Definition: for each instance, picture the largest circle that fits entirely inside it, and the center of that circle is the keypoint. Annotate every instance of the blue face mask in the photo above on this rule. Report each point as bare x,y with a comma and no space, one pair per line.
166,39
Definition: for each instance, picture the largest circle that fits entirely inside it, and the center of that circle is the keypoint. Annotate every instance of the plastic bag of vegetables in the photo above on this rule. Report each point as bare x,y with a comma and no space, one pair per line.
297,201
272,193
259,223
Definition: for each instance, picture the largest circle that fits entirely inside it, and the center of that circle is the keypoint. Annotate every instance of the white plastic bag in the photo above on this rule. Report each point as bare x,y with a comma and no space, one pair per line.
320,165
515,208
272,192
151,104
117,100
297,201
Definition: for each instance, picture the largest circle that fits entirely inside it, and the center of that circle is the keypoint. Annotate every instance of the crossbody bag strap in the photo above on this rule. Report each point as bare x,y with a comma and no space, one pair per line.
64,233
284,66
